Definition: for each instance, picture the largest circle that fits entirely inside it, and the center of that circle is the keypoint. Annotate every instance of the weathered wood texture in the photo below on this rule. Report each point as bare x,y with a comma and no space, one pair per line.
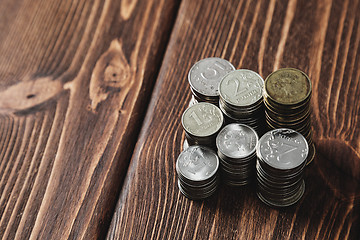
75,79
318,37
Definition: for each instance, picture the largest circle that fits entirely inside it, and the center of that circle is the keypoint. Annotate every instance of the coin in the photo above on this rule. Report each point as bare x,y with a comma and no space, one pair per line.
282,203
241,88
199,185
197,163
312,152
196,195
205,75
283,148
202,119
237,141
288,86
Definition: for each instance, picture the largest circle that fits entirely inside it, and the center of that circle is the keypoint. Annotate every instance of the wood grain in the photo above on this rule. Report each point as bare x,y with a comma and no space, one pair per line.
75,79
318,37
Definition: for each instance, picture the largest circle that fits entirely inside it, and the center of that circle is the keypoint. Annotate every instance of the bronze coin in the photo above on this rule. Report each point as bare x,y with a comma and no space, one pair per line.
288,86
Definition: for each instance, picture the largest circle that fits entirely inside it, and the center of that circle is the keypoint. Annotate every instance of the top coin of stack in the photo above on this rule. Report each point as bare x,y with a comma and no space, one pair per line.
204,78
197,168
241,98
202,122
287,94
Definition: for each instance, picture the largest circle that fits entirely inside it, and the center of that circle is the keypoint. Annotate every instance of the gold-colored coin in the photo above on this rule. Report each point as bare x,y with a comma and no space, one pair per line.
284,119
286,111
298,126
293,107
312,152
288,86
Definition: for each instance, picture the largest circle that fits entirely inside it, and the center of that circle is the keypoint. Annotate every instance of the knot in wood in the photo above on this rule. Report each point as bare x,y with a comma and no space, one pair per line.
112,73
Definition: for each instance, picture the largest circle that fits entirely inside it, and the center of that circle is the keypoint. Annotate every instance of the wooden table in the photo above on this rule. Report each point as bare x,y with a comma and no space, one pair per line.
91,94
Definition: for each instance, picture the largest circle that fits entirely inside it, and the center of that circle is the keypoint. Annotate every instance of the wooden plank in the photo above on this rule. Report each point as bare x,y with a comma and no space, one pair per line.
75,79
319,37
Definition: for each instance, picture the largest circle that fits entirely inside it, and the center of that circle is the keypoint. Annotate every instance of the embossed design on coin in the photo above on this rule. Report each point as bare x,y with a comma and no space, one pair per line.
283,148
237,140
205,75
202,119
288,86
242,87
197,163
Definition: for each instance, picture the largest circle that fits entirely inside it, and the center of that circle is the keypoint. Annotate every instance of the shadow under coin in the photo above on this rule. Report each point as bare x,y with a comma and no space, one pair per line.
339,166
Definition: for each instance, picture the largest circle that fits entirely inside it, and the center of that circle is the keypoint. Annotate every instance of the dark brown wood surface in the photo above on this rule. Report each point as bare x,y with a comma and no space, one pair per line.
318,37
77,77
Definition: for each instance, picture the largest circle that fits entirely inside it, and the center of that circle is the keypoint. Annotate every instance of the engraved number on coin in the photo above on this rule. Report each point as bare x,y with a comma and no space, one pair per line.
203,116
238,91
286,149
196,118
213,71
280,148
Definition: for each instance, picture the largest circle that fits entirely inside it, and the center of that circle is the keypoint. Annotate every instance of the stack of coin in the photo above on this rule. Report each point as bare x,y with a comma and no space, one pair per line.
236,145
204,78
197,168
202,122
281,158
287,97
241,98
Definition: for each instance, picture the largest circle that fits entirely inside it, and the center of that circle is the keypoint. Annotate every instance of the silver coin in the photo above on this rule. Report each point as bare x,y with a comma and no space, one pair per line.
283,148
202,119
237,183
198,184
237,164
196,196
242,87
237,140
205,75
283,202
283,185
197,163
278,178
